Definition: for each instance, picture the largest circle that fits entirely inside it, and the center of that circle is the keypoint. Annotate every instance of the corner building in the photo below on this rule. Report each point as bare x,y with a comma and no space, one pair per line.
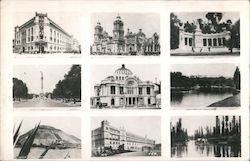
107,136
120,44
42,35
124,89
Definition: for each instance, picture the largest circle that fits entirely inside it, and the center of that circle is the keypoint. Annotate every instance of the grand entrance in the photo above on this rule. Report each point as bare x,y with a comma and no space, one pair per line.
131,101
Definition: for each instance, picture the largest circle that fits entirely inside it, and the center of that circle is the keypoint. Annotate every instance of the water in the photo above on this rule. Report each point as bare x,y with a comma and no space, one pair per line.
35,153
190,149
196,100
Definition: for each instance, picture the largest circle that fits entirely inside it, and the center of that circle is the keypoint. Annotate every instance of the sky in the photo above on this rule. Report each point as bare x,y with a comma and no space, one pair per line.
72,26
31,75
70,125
148,22
192,123
212,70
185,16
146,72
143,126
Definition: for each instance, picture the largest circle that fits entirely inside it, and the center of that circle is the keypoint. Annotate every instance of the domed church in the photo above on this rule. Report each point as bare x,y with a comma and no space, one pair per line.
124,89
120,44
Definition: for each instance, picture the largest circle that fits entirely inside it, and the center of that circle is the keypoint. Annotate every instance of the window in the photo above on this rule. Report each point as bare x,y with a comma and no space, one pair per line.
214,42
130,90
121,90
204,42
112,89
186,41
148,90
219,42
209,42
140,90
149,101
112,101
190,41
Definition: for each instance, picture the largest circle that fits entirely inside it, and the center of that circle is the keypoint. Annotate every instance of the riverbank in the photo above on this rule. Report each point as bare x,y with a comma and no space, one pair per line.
232,101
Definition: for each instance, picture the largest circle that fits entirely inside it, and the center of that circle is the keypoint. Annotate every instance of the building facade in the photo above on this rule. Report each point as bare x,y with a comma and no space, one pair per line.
42,35
199,42
124,89
124,44
109,137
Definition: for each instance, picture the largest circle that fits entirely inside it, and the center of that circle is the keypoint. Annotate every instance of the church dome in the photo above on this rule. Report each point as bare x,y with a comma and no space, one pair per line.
123,71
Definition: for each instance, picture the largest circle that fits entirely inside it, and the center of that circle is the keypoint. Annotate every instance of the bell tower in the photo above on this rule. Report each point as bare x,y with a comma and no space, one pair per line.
118,31
98,32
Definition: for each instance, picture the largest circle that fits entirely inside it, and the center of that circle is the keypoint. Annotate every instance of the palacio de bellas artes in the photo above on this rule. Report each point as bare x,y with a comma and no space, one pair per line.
130,42
205,33
41,35
126,90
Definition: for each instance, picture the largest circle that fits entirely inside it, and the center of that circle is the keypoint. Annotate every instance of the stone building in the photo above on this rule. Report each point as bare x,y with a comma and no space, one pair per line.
124,89
42,35
199,42
110,137
120,44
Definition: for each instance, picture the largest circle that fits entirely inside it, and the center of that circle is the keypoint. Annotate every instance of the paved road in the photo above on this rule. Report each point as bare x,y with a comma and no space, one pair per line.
132,154
39,103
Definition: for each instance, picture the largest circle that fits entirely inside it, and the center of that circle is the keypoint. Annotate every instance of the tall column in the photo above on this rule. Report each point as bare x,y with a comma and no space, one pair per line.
41,82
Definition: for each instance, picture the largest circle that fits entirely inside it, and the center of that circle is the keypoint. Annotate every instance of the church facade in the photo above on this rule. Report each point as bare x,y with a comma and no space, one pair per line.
125,90
42,35
123,44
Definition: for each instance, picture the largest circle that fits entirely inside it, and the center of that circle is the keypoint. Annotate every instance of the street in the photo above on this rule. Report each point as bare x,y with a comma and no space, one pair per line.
42,103
132,154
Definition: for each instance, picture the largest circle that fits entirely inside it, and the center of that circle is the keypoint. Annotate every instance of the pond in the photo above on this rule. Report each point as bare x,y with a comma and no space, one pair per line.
191,149
196,100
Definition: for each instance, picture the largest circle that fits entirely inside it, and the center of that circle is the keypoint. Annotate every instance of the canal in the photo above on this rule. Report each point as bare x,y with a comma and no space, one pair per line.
191,149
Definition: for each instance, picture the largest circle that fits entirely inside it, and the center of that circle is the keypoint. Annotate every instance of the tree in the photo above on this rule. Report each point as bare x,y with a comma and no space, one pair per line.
70,86
236,78
174,31
20,89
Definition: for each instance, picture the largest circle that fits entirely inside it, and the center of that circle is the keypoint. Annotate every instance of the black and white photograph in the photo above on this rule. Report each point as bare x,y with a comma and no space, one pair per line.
47,86
125,34
130,86
47,137
205,86
126,136
46,33
205,34
205,136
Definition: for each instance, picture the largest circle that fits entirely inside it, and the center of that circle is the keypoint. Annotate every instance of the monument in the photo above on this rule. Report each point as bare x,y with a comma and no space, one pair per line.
41,93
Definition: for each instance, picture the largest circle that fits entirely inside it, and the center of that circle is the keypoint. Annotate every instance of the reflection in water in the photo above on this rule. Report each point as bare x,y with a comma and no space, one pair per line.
196,99
192,149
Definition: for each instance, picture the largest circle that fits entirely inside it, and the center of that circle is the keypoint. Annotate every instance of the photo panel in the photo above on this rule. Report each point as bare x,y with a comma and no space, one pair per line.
125,86
205,86
46,34
125,34
46,86
126,136
47,137
205,33
206,136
